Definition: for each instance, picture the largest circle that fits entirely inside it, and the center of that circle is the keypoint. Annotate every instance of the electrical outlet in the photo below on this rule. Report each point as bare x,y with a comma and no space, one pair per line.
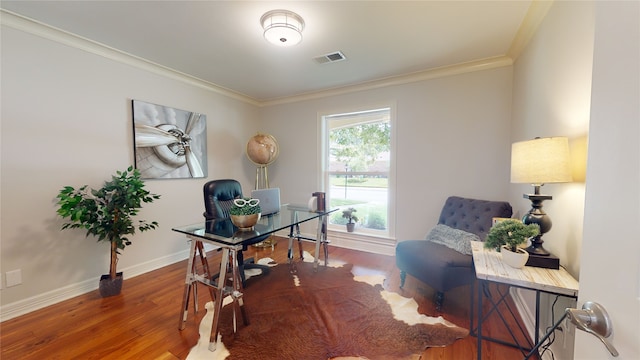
14,277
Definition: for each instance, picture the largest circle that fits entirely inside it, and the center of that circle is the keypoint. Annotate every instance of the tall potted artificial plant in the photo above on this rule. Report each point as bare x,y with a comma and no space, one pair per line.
351,218
107,213
507,235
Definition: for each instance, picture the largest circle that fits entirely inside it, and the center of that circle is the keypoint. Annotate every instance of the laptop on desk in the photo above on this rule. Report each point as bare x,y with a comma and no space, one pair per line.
269,200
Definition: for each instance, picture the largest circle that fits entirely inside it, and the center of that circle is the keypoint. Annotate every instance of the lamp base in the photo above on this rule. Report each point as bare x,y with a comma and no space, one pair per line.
536,247
543,261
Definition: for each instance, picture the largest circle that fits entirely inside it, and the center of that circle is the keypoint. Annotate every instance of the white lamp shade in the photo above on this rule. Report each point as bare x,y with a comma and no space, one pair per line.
541,161
282,27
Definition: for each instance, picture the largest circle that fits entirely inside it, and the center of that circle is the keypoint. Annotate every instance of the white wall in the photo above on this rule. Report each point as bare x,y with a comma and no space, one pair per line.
610,271
551,97
66,120
452,139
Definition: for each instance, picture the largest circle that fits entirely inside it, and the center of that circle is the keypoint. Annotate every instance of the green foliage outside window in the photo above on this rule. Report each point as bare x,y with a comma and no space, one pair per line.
360,145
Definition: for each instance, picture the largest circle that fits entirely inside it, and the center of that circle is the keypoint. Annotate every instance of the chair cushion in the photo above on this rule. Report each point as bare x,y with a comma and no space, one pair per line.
434,264
454,239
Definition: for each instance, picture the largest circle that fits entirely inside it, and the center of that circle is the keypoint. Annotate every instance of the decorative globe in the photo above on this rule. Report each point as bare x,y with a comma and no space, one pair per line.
262,149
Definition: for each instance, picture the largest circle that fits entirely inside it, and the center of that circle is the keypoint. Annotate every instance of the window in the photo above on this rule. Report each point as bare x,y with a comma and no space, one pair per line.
357,163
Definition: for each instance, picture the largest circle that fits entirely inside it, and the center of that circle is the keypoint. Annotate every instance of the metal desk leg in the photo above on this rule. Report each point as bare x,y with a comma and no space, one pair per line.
479,345
294,232
318,241
236,294
325,241
205,266
217,304
194,287
290,246
299,237
292,265
188,283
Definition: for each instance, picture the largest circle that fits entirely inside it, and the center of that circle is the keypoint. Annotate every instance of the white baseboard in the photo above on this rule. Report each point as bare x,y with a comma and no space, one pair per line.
356,241
15,309
361,242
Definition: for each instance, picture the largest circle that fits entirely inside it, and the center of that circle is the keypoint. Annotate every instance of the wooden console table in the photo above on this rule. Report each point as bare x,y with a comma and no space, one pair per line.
490,269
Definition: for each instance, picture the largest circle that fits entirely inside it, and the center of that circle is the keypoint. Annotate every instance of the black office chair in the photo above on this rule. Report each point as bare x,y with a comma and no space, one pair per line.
218,199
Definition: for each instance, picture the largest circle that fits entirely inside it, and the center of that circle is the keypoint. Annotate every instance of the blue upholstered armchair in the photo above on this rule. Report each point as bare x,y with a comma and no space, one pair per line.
443,260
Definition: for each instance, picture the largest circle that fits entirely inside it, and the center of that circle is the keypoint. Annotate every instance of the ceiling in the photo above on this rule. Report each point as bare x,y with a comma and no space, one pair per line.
221,42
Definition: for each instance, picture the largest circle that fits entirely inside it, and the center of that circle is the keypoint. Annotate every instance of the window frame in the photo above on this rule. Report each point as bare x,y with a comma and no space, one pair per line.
362,234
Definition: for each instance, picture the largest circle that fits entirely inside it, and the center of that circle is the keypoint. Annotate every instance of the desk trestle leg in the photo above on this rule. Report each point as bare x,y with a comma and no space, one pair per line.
196,249
320,240
188,283
217,304
229,261
205,266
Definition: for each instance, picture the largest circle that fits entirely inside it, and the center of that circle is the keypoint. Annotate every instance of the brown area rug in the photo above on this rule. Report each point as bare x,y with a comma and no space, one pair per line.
323,315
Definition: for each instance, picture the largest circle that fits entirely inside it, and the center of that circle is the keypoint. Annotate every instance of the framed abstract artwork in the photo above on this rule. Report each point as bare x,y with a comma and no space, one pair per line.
169,143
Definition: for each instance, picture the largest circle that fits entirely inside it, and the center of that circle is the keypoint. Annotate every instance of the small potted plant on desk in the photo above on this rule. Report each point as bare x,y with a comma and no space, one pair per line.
245,213
107,213
351,218
507,235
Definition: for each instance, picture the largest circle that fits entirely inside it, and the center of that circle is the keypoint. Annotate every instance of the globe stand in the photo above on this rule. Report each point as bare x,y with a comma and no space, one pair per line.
262,150
262,177
262,182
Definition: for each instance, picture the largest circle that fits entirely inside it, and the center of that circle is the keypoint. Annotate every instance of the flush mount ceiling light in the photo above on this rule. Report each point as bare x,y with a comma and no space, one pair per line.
282,27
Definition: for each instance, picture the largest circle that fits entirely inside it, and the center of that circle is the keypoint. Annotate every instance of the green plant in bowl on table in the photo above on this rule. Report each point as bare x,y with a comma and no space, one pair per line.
510,233
245,213
245,206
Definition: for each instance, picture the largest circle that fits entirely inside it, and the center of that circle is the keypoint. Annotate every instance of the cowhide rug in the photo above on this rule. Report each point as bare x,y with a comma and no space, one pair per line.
323,315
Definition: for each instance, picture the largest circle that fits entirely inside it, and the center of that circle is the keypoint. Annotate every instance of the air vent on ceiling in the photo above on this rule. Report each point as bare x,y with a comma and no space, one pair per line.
332,57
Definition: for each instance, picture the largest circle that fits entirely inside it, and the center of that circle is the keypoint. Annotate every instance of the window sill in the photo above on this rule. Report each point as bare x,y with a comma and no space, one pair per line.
363,242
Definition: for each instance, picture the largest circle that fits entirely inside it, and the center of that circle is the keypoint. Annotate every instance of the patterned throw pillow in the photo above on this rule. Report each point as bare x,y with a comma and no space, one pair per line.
455,239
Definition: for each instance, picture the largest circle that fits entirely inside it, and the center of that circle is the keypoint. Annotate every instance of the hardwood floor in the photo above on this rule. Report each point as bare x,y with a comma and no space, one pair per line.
142,322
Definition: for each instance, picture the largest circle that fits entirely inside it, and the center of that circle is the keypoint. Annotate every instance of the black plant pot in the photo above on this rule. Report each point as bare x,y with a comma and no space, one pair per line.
351,227
110,287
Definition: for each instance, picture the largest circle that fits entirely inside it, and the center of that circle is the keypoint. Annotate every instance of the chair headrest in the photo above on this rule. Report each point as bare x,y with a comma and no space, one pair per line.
473,215
217,196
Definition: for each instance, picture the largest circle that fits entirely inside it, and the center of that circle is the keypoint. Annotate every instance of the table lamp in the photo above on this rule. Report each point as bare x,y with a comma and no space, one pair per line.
537,162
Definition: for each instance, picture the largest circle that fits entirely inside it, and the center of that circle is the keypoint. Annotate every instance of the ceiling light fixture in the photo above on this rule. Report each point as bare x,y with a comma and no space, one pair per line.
282,27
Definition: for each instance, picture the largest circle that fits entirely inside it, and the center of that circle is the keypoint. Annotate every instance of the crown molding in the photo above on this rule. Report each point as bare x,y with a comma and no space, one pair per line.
450,70
34,27
535,15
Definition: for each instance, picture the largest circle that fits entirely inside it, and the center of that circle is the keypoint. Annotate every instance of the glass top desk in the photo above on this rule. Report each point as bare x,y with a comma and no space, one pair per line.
224,234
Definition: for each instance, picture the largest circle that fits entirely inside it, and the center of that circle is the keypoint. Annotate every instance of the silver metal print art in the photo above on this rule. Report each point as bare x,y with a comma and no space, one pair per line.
169,143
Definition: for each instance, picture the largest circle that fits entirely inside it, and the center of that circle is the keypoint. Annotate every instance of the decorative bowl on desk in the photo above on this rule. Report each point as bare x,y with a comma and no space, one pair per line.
245,213
245,222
